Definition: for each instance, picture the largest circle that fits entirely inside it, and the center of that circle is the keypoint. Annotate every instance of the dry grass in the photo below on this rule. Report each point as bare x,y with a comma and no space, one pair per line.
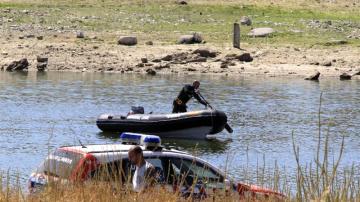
331,4
164,21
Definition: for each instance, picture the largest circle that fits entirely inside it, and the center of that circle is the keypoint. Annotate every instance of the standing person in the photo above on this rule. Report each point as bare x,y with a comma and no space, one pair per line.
186,93
144,175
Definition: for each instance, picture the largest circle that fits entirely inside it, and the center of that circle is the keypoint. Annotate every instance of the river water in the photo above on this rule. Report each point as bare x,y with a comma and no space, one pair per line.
41,111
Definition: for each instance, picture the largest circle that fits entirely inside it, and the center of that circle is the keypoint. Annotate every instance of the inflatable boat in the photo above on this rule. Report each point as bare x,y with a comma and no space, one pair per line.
195,124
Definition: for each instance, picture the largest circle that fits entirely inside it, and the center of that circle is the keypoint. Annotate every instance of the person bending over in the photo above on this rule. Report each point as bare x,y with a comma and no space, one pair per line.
186,93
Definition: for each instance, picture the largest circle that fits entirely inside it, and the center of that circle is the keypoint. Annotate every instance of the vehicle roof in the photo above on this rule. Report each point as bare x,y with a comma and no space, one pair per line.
107,148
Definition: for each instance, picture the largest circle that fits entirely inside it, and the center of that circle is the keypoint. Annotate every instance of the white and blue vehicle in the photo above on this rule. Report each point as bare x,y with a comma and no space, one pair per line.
175,169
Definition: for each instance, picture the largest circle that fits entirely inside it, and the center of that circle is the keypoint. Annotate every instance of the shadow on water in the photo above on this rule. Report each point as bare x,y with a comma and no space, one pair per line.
112,136
203,146
214,146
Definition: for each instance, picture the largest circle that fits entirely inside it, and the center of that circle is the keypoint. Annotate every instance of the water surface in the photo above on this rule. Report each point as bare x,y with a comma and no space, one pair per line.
41,111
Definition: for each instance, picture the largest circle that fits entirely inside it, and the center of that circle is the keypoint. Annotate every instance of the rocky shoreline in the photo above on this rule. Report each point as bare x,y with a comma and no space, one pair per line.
35,39
74,52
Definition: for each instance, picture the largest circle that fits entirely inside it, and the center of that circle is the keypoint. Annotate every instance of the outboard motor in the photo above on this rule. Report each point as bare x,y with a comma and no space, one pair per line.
137,110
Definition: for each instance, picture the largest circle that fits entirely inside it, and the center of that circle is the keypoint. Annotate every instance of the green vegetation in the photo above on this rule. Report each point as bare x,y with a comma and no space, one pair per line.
165,21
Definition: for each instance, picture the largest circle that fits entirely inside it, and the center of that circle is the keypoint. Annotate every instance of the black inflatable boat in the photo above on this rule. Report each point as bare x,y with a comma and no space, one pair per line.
195,124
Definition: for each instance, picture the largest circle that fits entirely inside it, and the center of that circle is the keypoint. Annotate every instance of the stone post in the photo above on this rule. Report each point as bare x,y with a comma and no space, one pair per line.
236,40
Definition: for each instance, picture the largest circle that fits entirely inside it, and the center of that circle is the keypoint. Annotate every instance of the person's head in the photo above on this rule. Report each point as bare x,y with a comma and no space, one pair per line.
136,155
196,84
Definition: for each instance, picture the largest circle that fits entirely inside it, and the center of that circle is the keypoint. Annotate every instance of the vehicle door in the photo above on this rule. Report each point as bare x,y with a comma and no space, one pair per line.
115,171
194,177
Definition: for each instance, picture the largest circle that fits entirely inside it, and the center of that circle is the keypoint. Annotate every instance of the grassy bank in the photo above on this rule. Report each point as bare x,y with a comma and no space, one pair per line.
164,21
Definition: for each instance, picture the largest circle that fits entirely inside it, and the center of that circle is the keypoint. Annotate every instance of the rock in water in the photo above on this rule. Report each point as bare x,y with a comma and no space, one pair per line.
41,66
245,20
151,72
261,32
313,77
245,57
42,63
18,65
204,52
345,76
80,35
127,40
190,39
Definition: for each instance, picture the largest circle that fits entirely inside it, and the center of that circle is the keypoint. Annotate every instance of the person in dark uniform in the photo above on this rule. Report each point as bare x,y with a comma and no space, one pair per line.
186,93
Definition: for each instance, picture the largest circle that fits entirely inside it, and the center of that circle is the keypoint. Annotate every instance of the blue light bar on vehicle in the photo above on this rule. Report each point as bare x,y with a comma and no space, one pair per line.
130,138
148,141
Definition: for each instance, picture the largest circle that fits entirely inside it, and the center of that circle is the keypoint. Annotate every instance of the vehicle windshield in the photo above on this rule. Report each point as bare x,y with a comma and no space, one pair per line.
60,163
188,172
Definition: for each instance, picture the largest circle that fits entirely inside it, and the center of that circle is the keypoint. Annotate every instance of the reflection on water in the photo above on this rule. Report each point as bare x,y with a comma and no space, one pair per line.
41,111
211,145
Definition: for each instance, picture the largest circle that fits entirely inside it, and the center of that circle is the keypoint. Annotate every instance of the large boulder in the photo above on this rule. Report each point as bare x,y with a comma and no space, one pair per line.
345,76
190,39
167,58
42,59
313,77
245,57
127,40
204,52
261,32
245,20
181,2
18,65
42,63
